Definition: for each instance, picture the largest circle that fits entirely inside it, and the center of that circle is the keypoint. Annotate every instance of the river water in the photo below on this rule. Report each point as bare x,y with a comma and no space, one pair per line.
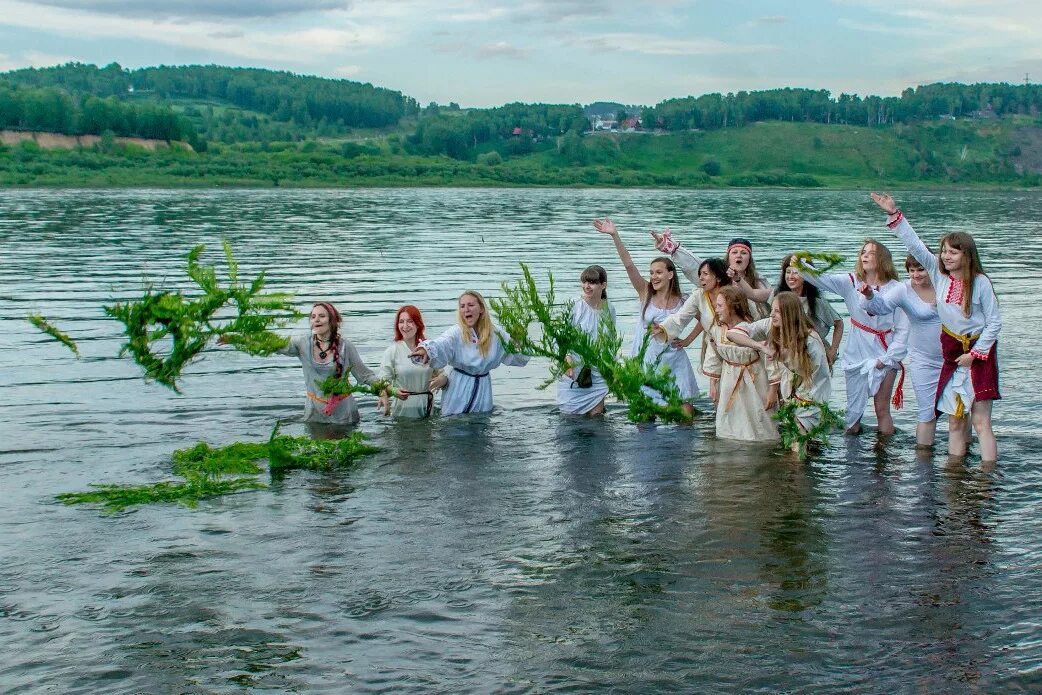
515,552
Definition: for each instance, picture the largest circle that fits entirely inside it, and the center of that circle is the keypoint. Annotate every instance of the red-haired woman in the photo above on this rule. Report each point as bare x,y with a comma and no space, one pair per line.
970,324
323,353
412,384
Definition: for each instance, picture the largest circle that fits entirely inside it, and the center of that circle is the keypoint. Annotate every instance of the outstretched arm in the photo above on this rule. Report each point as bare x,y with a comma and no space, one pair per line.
896,220
606,226
757,294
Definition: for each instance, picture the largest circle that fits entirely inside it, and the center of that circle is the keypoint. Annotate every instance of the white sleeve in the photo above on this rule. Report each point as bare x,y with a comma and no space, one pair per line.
883,302
678,321
992,317
757,330
830,282
442,350
917,248
688,262
292,348
387,371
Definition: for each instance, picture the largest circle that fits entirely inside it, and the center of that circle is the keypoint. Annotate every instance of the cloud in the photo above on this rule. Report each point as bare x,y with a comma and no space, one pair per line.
199,8
502,49
773,19
347,70
33,59
652,44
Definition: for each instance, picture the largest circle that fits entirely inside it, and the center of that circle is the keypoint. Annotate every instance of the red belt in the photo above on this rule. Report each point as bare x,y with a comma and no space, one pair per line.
899,392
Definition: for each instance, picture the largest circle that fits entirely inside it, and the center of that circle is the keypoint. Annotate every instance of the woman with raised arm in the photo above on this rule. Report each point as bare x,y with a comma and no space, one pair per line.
412,385
970,323
582,390
324,353
660,297
825,319
744,396
917,300
741,268
472,349
877,343
789,338
701,305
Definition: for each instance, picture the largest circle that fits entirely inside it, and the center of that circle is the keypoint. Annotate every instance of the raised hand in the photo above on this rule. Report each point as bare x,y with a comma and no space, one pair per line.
605,226
866,290
664,242
885,202
419,355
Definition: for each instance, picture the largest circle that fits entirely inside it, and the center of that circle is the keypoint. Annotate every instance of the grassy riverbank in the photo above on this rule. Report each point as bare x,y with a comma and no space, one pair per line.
1005,153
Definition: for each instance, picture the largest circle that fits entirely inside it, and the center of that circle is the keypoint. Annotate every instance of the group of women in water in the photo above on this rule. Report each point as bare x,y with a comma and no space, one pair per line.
762,345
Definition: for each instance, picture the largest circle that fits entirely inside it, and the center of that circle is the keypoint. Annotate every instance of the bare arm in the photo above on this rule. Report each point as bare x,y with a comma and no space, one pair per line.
606,226
757,294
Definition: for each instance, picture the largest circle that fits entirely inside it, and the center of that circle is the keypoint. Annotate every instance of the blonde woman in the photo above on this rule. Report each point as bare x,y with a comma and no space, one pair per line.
472,349
877,343
788,337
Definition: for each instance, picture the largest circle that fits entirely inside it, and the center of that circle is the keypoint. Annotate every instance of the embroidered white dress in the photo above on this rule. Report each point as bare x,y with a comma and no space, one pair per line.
924,343
673,357
470,388
402,373
872,338
984,321
818,389
572,399
743,386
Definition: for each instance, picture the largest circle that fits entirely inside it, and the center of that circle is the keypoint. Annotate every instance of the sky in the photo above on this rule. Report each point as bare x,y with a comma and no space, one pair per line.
489,52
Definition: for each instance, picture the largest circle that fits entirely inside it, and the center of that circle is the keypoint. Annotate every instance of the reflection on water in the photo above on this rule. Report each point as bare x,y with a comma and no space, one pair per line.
518,551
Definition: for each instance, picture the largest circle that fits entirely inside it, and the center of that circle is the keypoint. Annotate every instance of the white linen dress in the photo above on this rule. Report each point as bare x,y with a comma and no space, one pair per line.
673,357
572,399
402,373
743,387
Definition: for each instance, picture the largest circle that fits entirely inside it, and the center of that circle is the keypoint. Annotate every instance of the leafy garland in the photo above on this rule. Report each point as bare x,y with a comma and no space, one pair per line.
791,432
190,323
626,377
51,330
802,261
210,472
332,386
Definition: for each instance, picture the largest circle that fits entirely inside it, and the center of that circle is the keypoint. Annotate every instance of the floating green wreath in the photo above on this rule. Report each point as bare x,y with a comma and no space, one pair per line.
626,377
208,472
792,433
189,323
802,261
51,330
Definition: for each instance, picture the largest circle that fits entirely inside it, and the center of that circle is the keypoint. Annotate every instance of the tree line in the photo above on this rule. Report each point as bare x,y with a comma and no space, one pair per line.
55,110
281,95
925,102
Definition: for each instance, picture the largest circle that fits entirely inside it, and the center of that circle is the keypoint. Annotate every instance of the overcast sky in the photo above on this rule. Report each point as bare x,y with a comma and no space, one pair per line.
488,52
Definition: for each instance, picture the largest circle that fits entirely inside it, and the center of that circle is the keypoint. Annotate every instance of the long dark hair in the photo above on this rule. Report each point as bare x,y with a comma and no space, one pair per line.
718,267
334,335
597,274
674,284
809,291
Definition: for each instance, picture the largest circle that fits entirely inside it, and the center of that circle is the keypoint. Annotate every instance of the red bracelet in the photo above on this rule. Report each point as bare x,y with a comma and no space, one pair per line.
896,220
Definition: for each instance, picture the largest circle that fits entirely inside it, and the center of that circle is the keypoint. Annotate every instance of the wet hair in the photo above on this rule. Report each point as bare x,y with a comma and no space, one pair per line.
334,335
810,292
597,274
790,336
674,284
718,267
884,263
417,318
971,265
483,327
736,302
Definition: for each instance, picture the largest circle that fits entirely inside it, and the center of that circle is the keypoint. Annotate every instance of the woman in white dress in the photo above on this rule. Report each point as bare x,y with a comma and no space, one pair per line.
825,319
877,343
660,297
970,323
741,268
916,298
744,397
412,385
788,337
581,390
473,350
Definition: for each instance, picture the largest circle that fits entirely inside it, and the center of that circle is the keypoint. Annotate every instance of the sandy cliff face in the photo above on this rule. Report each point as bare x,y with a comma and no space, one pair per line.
53,141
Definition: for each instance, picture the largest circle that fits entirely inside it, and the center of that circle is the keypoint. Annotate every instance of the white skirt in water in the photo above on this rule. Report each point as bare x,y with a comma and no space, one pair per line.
572,399
674,358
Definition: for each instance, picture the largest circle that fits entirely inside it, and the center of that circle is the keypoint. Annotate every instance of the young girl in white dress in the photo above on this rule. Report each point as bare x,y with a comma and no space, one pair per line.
788,337
744,395
970,323
877,343
473,350
581,390
660,297
917,300
412,385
